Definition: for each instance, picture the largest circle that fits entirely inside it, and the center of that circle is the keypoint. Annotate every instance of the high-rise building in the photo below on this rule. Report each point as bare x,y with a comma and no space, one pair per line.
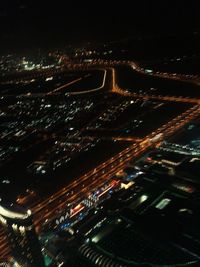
24,243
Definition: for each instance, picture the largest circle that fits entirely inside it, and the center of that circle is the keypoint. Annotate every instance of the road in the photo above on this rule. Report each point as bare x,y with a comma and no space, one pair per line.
66,85
123,92
81,92
49,208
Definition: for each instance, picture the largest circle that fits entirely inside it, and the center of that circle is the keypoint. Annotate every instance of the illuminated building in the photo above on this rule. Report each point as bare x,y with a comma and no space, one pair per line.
22,237
126,184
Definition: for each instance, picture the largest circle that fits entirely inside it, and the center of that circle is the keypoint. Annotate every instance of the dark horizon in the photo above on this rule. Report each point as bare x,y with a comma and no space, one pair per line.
31,24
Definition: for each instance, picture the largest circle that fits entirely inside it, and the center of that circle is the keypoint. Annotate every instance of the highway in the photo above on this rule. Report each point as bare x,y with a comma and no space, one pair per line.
80,188
171,76
121,91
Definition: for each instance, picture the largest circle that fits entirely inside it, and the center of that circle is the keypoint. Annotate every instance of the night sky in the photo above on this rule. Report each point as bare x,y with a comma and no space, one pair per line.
32,23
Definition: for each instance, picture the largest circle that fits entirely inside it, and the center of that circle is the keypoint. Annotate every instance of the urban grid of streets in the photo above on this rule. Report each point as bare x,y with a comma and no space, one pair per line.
82,186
